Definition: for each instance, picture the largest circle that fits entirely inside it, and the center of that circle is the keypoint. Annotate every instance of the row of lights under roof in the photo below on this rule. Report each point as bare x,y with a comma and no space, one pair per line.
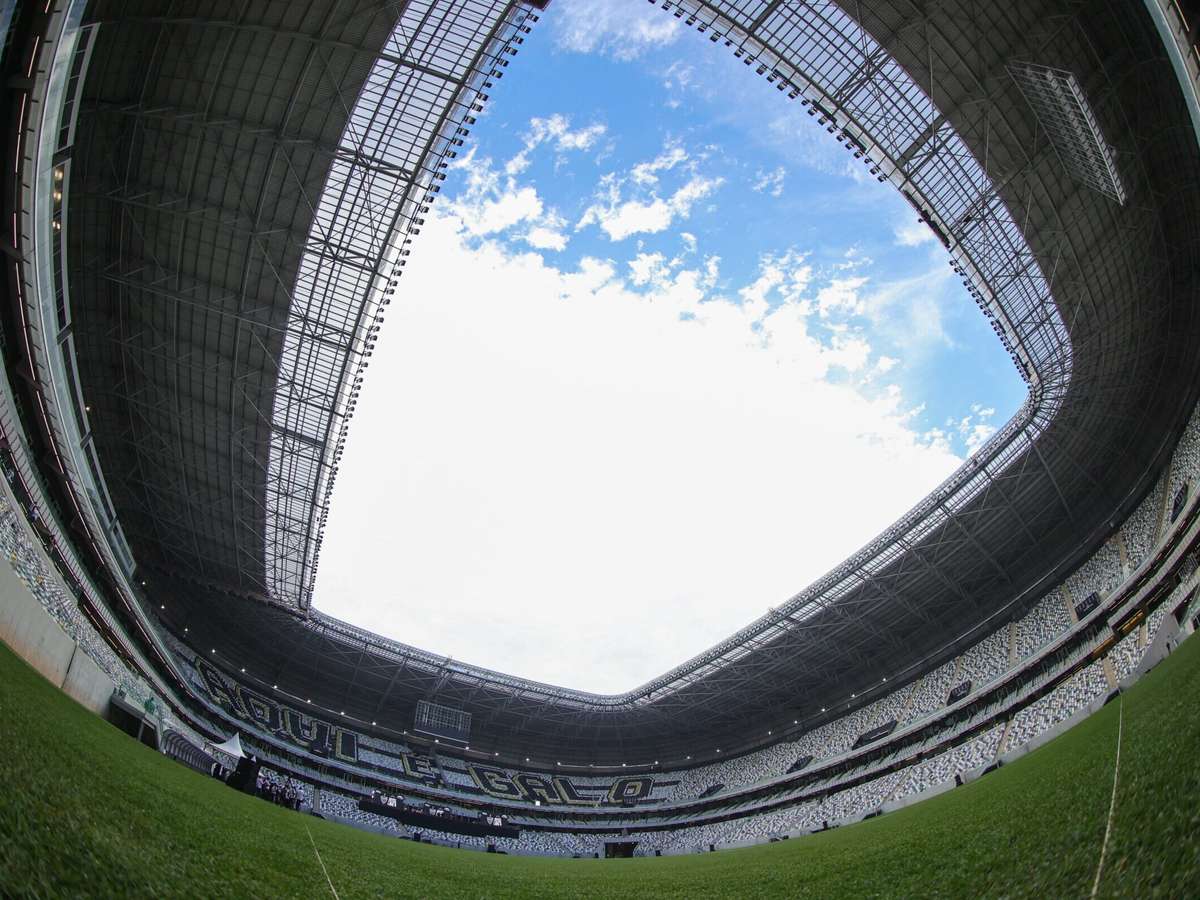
275,687
770,732
466,747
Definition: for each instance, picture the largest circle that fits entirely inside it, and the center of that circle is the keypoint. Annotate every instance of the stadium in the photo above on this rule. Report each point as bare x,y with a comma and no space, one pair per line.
210,208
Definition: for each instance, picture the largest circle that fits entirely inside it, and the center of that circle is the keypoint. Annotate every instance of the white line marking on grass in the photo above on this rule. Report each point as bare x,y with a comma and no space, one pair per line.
1112,806
332,889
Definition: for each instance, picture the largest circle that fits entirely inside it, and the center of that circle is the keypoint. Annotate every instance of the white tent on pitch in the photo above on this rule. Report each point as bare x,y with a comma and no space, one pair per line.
233,746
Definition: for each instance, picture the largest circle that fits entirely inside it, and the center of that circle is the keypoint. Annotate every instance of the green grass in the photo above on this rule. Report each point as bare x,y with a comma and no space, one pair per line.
86,811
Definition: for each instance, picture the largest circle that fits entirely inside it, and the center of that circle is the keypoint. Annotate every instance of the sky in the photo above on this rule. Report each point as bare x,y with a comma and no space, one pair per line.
664,354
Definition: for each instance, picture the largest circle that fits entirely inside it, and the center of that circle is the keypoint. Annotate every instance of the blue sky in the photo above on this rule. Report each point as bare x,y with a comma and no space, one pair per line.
690,356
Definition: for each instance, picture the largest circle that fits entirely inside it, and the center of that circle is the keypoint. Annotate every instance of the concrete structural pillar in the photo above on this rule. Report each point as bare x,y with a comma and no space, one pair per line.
1110,673
1002,747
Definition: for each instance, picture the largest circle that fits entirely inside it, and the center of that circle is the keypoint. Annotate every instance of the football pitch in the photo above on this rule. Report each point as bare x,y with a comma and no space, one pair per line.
87,811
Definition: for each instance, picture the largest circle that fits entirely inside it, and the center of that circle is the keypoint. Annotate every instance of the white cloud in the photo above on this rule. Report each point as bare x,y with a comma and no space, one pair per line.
647,267
679,75
647,172
781,279
549,463
580,139
976,428
506,208
841,296
616,28
667,278
492,204
912,233
544,238
908,312
770,182
978,436
554,130
620,218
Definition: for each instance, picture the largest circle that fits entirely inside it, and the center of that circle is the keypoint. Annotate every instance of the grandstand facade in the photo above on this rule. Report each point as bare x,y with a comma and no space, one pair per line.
210,211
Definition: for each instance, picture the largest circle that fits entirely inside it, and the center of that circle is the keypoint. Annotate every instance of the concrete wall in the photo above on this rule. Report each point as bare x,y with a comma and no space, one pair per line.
850,820
29,630
87,684
972,774
1165,641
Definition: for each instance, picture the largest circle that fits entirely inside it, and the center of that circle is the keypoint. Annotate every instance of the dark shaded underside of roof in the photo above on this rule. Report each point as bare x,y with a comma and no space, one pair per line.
181,392
204,139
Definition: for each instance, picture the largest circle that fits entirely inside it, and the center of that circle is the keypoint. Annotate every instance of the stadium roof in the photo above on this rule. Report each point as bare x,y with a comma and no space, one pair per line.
244,186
